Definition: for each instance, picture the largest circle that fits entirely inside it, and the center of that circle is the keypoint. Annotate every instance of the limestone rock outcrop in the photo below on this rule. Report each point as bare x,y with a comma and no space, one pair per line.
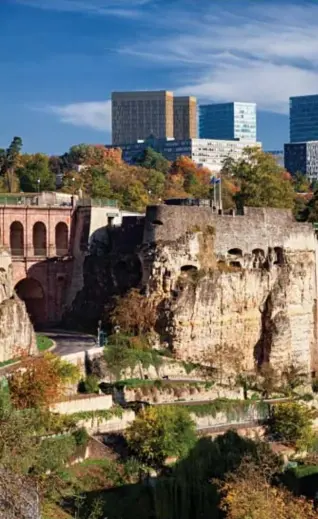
239,290
16,330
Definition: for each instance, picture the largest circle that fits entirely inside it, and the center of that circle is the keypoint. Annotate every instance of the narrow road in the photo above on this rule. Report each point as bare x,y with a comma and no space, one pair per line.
70,342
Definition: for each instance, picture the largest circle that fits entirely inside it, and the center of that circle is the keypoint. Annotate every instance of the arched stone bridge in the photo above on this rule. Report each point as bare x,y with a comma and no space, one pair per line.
38,238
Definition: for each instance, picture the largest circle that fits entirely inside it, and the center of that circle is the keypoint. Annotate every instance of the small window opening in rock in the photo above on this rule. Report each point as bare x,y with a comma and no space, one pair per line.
235,252
236,264
189,268
157,222
279,256
259,252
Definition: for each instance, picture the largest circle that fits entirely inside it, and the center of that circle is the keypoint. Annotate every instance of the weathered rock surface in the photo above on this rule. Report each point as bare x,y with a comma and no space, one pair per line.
233,290
16,330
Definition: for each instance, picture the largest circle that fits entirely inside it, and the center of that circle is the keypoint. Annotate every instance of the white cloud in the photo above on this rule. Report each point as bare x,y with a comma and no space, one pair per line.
262,53
124,8
94,114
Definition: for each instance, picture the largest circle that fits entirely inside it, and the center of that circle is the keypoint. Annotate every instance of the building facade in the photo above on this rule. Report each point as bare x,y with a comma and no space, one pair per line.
303,118
206,152
185,118
302,157
228,121
136,115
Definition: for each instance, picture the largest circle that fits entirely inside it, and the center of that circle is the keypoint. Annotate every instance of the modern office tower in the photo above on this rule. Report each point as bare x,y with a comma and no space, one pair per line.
185,118
303,118
302,157
136,115
204,152
228,121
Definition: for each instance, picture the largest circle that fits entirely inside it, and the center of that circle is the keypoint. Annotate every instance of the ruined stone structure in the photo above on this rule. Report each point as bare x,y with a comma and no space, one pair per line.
241,289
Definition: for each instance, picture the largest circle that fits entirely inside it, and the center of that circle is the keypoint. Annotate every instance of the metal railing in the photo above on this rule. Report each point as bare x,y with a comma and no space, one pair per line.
96,202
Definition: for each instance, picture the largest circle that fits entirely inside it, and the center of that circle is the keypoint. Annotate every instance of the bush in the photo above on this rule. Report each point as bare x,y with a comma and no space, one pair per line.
89,385
291,423
81,436
159,432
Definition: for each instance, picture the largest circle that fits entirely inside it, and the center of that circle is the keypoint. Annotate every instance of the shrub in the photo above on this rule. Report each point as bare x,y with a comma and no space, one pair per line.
89,385
159,432
81,436
291,423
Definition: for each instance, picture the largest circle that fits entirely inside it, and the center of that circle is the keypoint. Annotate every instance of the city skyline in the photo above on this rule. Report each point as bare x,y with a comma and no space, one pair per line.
58,83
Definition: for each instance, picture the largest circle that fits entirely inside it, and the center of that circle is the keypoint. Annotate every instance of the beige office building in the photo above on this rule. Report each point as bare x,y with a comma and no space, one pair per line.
137,115
185,118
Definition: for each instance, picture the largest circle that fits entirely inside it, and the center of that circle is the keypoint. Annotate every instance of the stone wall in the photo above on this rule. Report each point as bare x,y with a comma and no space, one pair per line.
233,289
98,425
16,330
83,403
170,393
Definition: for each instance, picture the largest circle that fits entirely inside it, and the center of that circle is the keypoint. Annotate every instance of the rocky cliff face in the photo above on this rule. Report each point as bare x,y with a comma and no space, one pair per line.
16,330
229,305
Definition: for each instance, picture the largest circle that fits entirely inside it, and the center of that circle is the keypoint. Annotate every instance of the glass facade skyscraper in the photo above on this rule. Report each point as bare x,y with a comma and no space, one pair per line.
303,118
228,121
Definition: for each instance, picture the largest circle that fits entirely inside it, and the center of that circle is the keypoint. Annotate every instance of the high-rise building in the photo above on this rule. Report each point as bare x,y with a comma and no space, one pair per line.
136,115
205,152
228,121
303,118
302,157
185,117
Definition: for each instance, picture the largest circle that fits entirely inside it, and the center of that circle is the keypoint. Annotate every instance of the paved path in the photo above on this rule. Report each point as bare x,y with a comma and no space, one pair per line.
70,342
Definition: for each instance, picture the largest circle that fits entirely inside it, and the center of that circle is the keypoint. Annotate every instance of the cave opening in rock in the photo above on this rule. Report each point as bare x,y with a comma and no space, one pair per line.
235,252
31,292
189,268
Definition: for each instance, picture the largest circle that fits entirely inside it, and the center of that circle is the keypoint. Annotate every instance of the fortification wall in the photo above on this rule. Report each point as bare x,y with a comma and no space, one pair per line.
258,228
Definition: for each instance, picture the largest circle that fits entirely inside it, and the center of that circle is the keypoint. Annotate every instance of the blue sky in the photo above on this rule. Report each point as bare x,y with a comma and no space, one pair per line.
60,60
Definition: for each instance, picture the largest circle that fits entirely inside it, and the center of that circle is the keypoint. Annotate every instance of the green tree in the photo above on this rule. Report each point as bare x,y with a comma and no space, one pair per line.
9,160
35,174
291,423
151,159
160,432
260,181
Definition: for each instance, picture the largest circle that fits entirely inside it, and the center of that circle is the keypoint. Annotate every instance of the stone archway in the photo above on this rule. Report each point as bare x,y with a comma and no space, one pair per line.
17,239
31,292
39,239
61,239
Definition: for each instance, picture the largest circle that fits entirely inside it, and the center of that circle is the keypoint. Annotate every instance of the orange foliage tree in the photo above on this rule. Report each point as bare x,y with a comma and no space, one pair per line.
248,493
40,381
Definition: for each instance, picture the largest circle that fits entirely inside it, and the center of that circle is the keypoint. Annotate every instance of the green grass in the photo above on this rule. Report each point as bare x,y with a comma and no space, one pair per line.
43,343
8,362
305,470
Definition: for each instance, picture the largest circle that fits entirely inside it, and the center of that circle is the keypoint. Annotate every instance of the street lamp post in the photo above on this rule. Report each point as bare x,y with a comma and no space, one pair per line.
38,181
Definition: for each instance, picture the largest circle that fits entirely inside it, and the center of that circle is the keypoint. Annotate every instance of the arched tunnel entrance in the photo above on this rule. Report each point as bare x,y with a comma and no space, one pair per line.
31,292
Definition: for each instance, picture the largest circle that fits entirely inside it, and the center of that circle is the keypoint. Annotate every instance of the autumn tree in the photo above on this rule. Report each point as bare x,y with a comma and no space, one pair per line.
40,381
160,432
248,493
134,313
